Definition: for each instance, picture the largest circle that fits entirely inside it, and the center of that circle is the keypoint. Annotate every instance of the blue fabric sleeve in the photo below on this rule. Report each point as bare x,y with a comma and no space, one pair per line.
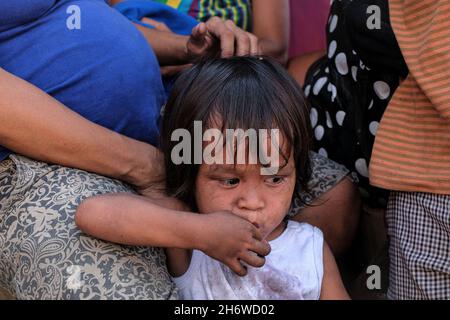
178,22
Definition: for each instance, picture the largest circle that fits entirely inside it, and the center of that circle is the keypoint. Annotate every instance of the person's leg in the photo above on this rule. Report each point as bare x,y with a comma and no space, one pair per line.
47,257
419,233
7,181
334,204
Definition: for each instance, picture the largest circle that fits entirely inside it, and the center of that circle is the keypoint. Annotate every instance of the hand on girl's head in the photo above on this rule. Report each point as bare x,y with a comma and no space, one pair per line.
216,37
246,94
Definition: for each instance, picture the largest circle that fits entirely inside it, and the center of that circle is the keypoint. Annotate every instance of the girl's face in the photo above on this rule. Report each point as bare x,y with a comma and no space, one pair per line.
242,190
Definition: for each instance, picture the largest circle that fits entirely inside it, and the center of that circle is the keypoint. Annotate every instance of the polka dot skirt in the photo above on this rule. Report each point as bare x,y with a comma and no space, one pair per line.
347,100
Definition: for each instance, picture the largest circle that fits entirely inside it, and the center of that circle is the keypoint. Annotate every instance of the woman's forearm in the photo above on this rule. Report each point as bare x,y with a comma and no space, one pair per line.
274,49
170,48
36,125
271,24
135,220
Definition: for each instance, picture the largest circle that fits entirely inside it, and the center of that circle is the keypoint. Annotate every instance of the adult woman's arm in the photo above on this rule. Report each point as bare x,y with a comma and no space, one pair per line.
213,37
37,126
271,26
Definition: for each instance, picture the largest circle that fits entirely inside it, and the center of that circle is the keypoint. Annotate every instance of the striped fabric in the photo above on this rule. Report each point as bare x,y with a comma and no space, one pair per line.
237,10
412,147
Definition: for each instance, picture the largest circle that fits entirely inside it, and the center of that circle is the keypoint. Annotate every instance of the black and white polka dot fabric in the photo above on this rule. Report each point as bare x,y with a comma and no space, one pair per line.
349,89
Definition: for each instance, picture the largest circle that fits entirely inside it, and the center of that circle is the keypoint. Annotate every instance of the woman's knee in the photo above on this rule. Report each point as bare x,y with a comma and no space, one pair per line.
72,265
52,259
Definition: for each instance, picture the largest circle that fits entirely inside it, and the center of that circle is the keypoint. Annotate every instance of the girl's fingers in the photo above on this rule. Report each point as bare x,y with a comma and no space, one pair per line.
238,268
252,259
256,233
261,248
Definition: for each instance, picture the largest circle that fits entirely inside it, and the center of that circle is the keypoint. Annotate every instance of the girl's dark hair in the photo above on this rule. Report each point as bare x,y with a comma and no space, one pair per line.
246,92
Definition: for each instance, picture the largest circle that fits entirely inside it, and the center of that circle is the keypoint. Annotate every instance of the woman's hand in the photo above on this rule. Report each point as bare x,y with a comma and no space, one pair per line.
147,174
232,240
210,39
220,38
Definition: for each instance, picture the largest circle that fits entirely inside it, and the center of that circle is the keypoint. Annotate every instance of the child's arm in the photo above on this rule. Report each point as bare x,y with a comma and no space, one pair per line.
135,220
332,286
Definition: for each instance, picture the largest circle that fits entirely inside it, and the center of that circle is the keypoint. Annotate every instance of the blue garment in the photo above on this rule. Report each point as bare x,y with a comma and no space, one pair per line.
105,71
178,22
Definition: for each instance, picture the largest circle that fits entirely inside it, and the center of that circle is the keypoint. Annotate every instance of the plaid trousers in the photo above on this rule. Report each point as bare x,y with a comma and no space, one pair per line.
419,232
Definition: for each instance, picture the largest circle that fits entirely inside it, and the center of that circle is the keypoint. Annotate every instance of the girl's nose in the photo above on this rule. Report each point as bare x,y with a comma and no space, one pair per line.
251,200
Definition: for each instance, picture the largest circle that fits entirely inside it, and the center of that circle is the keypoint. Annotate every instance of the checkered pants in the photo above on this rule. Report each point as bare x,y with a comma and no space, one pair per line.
419,231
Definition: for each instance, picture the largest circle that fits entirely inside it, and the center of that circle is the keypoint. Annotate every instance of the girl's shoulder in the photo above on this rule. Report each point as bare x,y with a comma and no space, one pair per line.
299,253
300,247
298,233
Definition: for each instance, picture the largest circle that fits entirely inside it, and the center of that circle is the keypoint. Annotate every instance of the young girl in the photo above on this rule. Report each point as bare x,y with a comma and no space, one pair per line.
219,253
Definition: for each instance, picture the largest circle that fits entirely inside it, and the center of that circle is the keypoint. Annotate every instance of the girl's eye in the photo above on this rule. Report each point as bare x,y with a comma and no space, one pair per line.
275,180
230,182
